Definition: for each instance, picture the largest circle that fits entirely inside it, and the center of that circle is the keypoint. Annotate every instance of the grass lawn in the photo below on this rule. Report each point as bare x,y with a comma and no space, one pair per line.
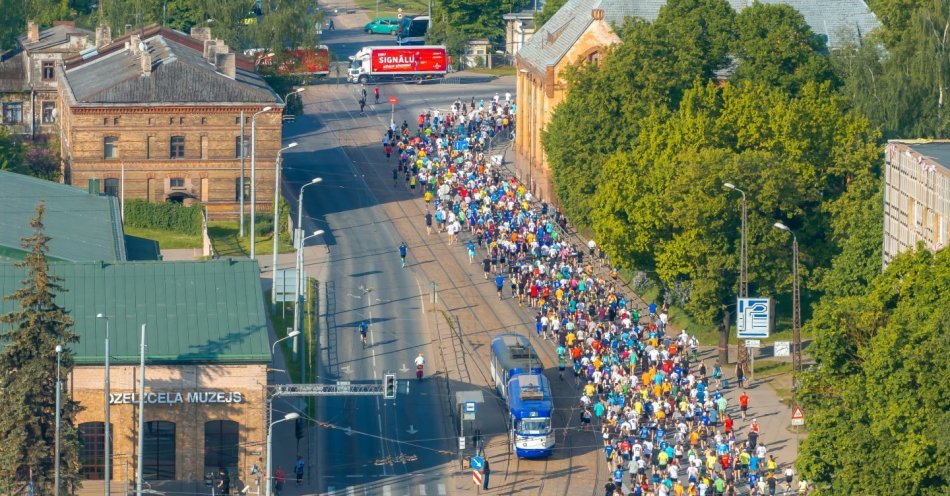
499,70
166,239
227,242
388,8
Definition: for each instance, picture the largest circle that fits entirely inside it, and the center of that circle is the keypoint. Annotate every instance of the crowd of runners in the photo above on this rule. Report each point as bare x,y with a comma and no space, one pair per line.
664,416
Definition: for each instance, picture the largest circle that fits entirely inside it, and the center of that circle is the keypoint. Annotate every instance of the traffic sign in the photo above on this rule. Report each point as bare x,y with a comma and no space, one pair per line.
783,348
754,317
460,145
461,442
469,407
753,343
393,100
478,463
798,416
477,477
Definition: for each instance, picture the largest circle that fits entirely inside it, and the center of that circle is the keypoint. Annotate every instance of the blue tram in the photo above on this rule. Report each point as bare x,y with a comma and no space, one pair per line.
517,373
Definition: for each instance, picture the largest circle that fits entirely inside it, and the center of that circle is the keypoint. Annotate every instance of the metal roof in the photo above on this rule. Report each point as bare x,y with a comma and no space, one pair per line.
82,226
56,35
180,75
195,312
839,21
937,151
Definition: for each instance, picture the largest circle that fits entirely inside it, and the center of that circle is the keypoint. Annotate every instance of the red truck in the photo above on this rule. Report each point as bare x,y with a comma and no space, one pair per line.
397,63
313,62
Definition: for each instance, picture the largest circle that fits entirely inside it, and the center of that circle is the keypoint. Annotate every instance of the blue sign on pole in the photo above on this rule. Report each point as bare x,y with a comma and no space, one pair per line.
478,463
754,318
469,407
461,145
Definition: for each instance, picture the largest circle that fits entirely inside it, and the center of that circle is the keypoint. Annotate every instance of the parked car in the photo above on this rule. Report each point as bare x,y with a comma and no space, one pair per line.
382,25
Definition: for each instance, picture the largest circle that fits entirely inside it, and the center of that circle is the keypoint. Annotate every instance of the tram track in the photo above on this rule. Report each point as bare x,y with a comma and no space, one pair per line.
463,348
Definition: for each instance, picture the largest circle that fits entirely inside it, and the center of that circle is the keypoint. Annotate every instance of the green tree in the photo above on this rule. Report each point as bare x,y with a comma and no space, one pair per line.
776,46
28,376
11,153
470,19
878,394
547,11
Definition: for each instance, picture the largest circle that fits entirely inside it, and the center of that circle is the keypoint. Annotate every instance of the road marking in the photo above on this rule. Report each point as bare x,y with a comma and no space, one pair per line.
331,490
422,490
387,490
441,488
351,491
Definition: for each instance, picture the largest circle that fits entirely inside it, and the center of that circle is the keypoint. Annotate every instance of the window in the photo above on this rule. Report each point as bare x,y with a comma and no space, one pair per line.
237,189
105,121
204,120
150,147
48,70
177,182
203,149
115,121
181,121
221,445
112,186
158,460
241,146
92,450
150,121
110,147
13,112
48,111
177,147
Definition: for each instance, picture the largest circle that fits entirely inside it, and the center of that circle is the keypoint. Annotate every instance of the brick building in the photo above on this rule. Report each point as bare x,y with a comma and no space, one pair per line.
582,30
205,376
157,114
916,196
28,86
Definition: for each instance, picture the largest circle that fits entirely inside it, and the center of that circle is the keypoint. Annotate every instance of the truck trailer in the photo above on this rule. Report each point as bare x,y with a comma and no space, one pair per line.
395,63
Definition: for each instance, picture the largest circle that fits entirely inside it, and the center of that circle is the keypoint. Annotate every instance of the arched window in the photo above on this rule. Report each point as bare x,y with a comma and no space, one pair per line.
92,444
594,57
158,460
222,438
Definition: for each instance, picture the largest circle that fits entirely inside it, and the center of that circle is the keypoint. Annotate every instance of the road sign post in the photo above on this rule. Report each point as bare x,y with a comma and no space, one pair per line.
392,116
751,344
798,416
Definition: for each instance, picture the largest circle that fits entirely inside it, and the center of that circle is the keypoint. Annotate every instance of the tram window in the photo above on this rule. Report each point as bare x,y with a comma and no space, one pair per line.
535,425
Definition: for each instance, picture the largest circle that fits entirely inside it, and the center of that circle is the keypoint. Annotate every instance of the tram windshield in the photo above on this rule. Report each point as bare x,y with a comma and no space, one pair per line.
534,426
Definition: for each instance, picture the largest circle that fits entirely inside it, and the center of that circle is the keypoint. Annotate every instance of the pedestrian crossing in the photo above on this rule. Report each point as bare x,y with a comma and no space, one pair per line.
380,489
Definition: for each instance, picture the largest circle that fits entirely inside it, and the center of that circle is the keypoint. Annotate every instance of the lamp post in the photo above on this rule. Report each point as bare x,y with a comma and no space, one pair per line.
273,293
139,469
297,297
270,443
743,274
59,392
294,92
298,237
291,334
796,310
108,430
254,177
241,193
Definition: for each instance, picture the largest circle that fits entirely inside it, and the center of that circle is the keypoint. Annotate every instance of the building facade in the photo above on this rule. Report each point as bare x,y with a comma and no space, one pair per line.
582,30
28,85
519,26
207,352
164,116
916,196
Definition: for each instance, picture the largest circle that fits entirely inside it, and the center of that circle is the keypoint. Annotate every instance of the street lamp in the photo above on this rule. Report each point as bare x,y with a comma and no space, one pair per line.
108,429
743,279
254,176
273,294
294,92
297,296
298,237
270,439
796,308
59,392
140,469
291,334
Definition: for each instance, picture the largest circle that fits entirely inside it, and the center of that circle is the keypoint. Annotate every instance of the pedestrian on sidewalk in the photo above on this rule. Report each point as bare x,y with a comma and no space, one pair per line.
279,478
362,105
298,469
376,94
740,375
744,404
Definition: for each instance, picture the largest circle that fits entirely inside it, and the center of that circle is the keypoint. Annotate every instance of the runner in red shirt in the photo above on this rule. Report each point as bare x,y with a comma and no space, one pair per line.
744,403
728,424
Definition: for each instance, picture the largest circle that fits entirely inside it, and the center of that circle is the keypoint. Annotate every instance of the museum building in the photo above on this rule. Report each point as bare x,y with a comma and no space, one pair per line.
206,357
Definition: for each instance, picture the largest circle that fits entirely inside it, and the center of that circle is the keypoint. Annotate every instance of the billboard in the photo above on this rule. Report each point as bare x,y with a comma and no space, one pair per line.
403,60
754,318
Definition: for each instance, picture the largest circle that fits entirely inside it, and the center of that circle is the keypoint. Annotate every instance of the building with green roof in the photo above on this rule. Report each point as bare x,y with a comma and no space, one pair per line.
83,226
207,353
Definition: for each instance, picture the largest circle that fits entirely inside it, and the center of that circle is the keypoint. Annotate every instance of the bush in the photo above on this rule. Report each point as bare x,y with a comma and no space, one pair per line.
167,216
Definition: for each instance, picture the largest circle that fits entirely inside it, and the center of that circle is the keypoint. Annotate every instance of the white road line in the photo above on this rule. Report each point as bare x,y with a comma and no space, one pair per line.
351,491
422,490
331,490
387,490
441,489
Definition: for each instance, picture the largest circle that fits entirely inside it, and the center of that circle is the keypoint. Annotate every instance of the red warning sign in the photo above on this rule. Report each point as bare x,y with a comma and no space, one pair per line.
798,416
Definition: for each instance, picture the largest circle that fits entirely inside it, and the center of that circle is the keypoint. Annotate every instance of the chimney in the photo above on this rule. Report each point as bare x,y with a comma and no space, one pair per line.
216,46
225,64
201,34
134,42
32,32
597,14
146,62
103,36
209,49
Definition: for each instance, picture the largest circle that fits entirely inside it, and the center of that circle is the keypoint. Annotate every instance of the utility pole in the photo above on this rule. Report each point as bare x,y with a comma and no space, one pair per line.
796,316
743,275
243,154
